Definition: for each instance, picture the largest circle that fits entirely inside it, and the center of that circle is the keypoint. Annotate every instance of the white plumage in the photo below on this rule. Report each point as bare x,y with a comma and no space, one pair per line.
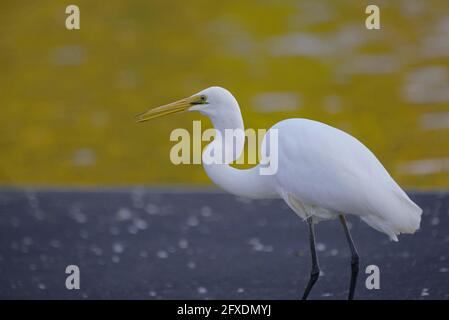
334,173
323,173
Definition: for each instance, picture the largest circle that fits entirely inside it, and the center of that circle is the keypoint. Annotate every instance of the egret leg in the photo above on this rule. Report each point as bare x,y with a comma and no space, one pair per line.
315,272
354,258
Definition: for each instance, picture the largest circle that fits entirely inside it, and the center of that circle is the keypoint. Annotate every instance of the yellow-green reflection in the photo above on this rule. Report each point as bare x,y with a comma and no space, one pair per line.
68,98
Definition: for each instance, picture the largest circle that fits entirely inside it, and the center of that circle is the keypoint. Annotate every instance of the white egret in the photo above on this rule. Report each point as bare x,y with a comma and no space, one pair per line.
323,173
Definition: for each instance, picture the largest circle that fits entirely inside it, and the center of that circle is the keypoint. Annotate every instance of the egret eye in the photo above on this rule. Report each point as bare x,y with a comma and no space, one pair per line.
202,99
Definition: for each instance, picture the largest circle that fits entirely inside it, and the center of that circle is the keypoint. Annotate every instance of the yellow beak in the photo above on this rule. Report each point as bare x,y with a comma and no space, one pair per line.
174,107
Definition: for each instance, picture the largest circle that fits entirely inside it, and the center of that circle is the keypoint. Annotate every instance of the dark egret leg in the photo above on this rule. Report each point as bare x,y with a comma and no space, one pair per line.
315,272
354,258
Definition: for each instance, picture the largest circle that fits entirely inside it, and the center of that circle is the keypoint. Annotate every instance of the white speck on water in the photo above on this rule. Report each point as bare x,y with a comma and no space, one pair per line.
254,241
240,290
258,246
171,249
140,224
80,217
341,43
332,104
183,243
300,44
424,166
32,200
435,121
162,254
334,252
115,259
427,85
83,158
152,293
243,200
192,221
424,292
55,243
370,64
206,211
435,44
202,290
443,270
320,246
76,213
412,8
191,265
435,221
151,209
276,101
118,247
42,286
327,294
96,250
124,214
137,198
241,43
132,229
68,55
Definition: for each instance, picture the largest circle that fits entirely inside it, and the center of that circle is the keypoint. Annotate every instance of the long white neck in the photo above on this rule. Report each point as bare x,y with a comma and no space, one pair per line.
246,183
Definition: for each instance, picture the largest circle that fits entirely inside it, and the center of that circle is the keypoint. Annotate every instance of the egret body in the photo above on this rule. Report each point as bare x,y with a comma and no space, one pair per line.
323,173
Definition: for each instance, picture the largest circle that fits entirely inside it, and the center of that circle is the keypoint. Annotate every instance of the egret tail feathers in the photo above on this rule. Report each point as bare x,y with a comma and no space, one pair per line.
395,214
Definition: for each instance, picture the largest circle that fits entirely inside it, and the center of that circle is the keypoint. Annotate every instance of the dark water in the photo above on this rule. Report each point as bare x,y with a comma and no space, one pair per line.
148,244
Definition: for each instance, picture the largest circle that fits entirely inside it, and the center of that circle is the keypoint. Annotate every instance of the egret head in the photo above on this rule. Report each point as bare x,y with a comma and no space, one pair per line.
214,102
